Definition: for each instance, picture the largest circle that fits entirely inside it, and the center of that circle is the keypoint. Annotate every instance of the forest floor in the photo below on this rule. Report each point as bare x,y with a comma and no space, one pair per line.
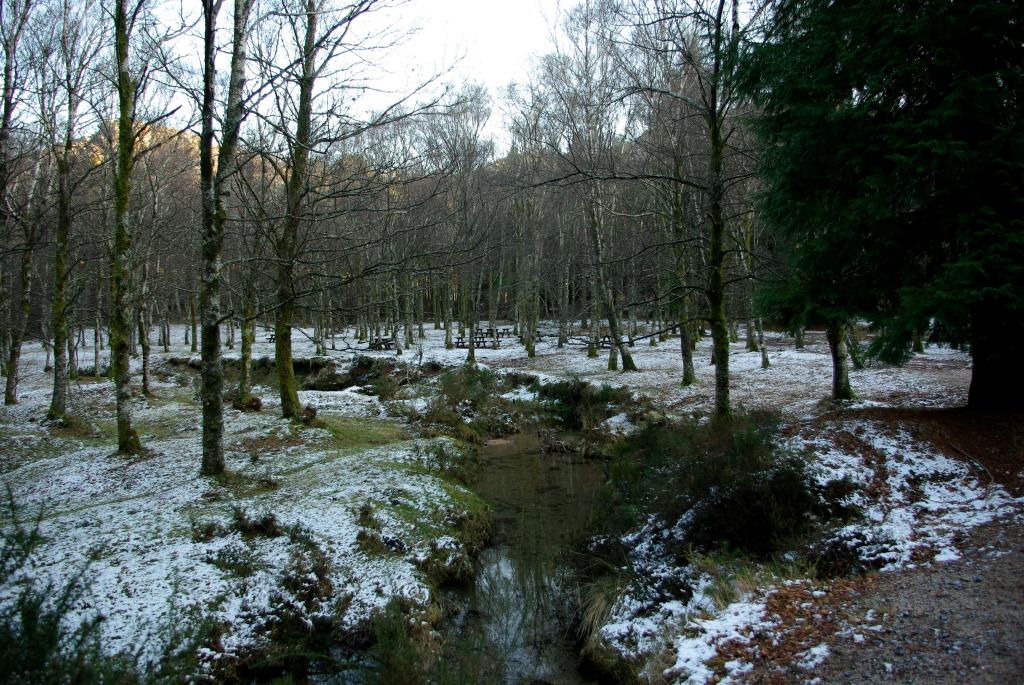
941,489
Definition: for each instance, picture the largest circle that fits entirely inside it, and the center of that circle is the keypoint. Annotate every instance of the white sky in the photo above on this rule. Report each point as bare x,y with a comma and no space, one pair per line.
490,42
487,41
496,37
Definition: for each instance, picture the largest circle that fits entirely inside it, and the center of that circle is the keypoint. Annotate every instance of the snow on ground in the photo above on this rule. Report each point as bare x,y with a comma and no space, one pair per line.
129,523
796,382
133,527
915,501
912,496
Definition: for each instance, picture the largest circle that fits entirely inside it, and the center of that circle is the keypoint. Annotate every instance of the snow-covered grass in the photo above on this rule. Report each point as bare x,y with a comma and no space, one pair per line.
156,542
131,524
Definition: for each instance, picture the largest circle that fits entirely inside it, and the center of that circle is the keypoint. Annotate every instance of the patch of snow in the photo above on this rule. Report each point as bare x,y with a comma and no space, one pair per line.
812,658
520,394
619,425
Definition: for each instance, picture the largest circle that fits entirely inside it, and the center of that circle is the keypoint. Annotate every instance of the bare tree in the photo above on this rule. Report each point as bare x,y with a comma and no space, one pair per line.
77,36
213,186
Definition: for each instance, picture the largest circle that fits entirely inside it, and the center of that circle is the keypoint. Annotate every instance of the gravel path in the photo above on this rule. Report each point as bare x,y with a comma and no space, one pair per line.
957,622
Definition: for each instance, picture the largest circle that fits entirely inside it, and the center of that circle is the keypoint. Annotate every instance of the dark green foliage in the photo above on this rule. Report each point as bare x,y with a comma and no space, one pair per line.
893,153
302,625
396,659
238,561
459,463
264,524
468,387
400,657
722,484
582,406
851,552
758,513
469,405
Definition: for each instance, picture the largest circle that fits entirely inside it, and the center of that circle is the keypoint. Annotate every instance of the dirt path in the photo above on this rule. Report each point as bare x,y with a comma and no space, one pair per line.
956,622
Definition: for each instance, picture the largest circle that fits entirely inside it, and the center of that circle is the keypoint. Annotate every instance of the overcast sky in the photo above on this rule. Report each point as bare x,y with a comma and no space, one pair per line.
487,41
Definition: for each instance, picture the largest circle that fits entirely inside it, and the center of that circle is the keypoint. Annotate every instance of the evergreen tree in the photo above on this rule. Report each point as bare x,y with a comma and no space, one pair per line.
894,162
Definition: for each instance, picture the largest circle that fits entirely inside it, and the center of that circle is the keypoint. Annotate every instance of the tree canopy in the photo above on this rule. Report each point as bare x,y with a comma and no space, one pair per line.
894,159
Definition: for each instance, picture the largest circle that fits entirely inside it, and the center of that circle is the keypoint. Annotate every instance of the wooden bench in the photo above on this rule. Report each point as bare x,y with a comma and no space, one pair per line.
382,344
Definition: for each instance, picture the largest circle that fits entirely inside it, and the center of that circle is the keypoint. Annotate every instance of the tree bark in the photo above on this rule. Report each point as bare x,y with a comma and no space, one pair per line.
19,320
997,345
248,335
716,276
760,339
287,245
603,288
836,335
120,264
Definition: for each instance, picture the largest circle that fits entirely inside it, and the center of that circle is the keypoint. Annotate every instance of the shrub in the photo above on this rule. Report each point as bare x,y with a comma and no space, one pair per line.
721,485
395,658
264,524
850,551
468,387
580,405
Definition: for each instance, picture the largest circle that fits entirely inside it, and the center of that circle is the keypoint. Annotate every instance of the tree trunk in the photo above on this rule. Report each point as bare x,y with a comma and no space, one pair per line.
248,334
446,301
997,375
144,343
853,344
288,244
19,320
760,339
836,335
595,332
604,290
58,311
96,342
752,345
686,351
120,264
716,274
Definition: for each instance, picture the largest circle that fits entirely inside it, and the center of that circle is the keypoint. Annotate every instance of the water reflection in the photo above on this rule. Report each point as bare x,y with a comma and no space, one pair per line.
519,611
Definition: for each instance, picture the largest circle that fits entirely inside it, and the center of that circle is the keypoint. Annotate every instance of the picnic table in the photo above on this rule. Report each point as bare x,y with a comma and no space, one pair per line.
605,342
499,332
479,340
382,344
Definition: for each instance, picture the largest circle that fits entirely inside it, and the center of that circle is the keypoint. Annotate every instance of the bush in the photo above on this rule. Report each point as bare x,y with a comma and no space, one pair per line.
468,387
469,407
396,659
264,524
721,485
580,405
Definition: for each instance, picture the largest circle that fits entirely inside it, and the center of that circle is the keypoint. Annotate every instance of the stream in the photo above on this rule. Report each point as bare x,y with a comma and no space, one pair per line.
517,615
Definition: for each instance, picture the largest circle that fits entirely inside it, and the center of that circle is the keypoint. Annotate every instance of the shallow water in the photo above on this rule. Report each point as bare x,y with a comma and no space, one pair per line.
518,612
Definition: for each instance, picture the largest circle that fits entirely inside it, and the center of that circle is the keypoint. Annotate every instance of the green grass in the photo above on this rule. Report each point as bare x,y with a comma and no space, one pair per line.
350,433
734,574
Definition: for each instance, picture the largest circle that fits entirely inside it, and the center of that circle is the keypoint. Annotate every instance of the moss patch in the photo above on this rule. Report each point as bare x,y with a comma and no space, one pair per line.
350,433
